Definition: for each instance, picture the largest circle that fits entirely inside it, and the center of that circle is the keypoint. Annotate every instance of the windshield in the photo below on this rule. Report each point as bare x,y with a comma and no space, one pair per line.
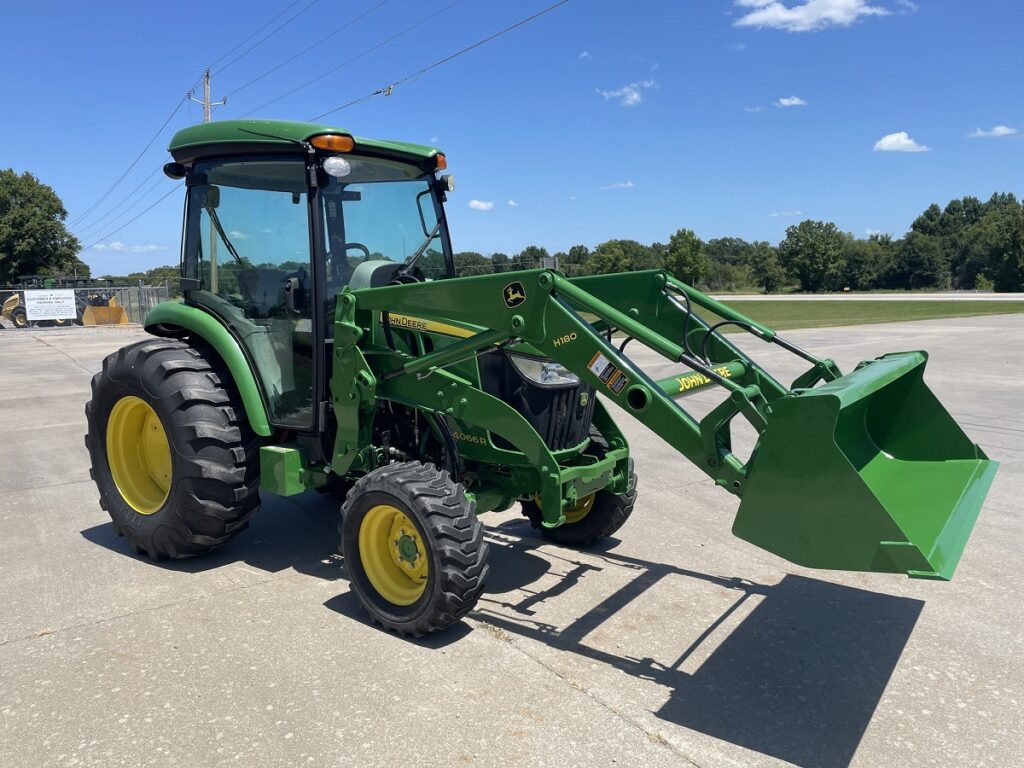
377,215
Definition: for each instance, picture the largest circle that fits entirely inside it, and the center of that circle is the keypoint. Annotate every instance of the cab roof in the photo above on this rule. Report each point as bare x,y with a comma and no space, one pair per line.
239,136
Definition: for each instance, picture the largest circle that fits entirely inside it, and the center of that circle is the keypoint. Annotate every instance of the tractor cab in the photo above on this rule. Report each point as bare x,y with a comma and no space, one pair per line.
280,218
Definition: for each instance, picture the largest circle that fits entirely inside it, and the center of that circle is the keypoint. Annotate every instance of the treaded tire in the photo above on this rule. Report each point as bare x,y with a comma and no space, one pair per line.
19,317
609,513
447,524
214,486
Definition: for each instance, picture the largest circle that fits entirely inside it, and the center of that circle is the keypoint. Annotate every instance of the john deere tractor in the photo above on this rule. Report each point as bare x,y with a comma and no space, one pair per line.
324,342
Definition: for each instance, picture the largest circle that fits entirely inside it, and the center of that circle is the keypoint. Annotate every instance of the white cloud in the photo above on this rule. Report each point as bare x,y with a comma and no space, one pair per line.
869,231
585,55
907,6
237,234
753,109
997,132
738,47
619,185
629,95
899,142
118,247
655,67
513,204
481,205
807,16
790,101
785,214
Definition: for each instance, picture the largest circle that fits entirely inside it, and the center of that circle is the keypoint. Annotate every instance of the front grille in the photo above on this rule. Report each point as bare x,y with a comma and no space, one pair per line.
560,415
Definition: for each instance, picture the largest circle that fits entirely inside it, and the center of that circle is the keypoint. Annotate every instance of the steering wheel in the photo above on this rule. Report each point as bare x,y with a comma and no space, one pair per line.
340,268
405,278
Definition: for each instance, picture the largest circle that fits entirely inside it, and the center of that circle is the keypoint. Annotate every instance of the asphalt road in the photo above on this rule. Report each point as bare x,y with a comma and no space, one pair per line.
675,645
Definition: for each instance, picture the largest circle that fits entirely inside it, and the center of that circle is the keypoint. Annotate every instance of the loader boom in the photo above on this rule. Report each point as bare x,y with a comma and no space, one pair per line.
840,453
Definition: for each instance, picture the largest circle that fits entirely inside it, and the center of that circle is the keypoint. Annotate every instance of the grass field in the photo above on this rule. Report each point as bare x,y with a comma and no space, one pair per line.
783,315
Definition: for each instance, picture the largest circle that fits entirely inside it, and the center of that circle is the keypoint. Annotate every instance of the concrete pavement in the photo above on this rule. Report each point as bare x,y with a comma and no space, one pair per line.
674,645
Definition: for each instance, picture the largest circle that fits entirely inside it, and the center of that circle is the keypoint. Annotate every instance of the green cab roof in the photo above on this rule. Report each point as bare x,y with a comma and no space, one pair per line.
238,135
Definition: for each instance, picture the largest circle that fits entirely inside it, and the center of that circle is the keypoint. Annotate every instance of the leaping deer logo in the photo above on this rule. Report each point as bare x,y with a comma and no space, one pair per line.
514,294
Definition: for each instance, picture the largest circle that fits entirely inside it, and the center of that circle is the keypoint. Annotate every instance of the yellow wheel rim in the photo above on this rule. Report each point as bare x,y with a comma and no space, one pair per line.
579,510
139,455
393,555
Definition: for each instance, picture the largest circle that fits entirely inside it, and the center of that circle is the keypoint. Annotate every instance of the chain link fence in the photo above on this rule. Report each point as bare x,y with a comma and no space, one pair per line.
96,304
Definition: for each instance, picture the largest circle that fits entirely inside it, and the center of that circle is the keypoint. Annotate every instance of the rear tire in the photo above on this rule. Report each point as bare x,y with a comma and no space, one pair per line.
19,317
414,548
597,517
191,488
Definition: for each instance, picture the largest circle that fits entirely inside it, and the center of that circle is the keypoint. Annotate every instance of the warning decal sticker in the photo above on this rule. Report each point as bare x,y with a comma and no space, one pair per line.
608,373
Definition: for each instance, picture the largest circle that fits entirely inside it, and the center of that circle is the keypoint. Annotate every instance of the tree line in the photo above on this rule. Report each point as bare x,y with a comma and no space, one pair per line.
967,245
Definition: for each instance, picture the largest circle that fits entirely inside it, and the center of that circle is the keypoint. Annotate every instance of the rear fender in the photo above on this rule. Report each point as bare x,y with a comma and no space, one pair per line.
170,319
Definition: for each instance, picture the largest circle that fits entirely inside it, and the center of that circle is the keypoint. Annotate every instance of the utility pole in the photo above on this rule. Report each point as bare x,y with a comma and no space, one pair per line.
207,104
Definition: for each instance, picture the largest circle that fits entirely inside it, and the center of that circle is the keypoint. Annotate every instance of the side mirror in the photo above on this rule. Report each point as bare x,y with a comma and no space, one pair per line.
175,170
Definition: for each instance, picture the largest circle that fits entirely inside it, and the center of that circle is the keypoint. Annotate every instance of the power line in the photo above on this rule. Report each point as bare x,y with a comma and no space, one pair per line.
84,216
281,13
308,48
388,89
127,170
118,205
355,58
269,35
103,220
137,216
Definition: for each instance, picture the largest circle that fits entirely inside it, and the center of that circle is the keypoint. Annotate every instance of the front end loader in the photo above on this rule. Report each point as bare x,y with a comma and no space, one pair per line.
325,343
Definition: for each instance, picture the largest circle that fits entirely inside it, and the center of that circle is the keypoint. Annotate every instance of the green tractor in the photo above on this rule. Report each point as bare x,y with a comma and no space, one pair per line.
324,342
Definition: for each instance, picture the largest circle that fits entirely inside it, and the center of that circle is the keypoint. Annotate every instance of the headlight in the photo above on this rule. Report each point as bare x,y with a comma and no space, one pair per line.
545,373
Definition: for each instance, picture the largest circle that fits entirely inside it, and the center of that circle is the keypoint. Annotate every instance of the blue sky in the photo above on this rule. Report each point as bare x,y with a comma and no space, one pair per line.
601,119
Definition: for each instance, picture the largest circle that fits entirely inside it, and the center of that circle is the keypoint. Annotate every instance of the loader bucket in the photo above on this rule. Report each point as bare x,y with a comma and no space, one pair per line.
109,315
868,473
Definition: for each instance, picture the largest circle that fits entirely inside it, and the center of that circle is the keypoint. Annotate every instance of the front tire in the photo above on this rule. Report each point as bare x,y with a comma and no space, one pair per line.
594,518
173,456
19,317
413,547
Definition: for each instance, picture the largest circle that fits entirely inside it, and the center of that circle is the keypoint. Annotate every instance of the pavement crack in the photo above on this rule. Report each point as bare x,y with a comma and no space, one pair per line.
37,486
62,352
148,609
502,636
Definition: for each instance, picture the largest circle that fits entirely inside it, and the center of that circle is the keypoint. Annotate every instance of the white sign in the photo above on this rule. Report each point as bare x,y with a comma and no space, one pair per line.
50,305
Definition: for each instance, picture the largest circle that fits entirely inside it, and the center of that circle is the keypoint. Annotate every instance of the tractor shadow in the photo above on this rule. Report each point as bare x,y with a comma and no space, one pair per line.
299,532
798,678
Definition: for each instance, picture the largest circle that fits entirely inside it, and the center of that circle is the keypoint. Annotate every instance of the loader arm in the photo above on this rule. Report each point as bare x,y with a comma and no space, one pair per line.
865,472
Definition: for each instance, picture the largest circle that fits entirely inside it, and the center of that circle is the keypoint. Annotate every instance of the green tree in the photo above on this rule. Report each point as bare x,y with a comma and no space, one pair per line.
864,263
529,258
472,263
733,251
814,253
923,262
33,238
685,258
765,267
929,222
500,262
608,257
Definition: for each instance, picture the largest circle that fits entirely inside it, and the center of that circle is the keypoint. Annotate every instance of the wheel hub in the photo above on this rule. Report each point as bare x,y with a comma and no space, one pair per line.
393,554
139,454
406,548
